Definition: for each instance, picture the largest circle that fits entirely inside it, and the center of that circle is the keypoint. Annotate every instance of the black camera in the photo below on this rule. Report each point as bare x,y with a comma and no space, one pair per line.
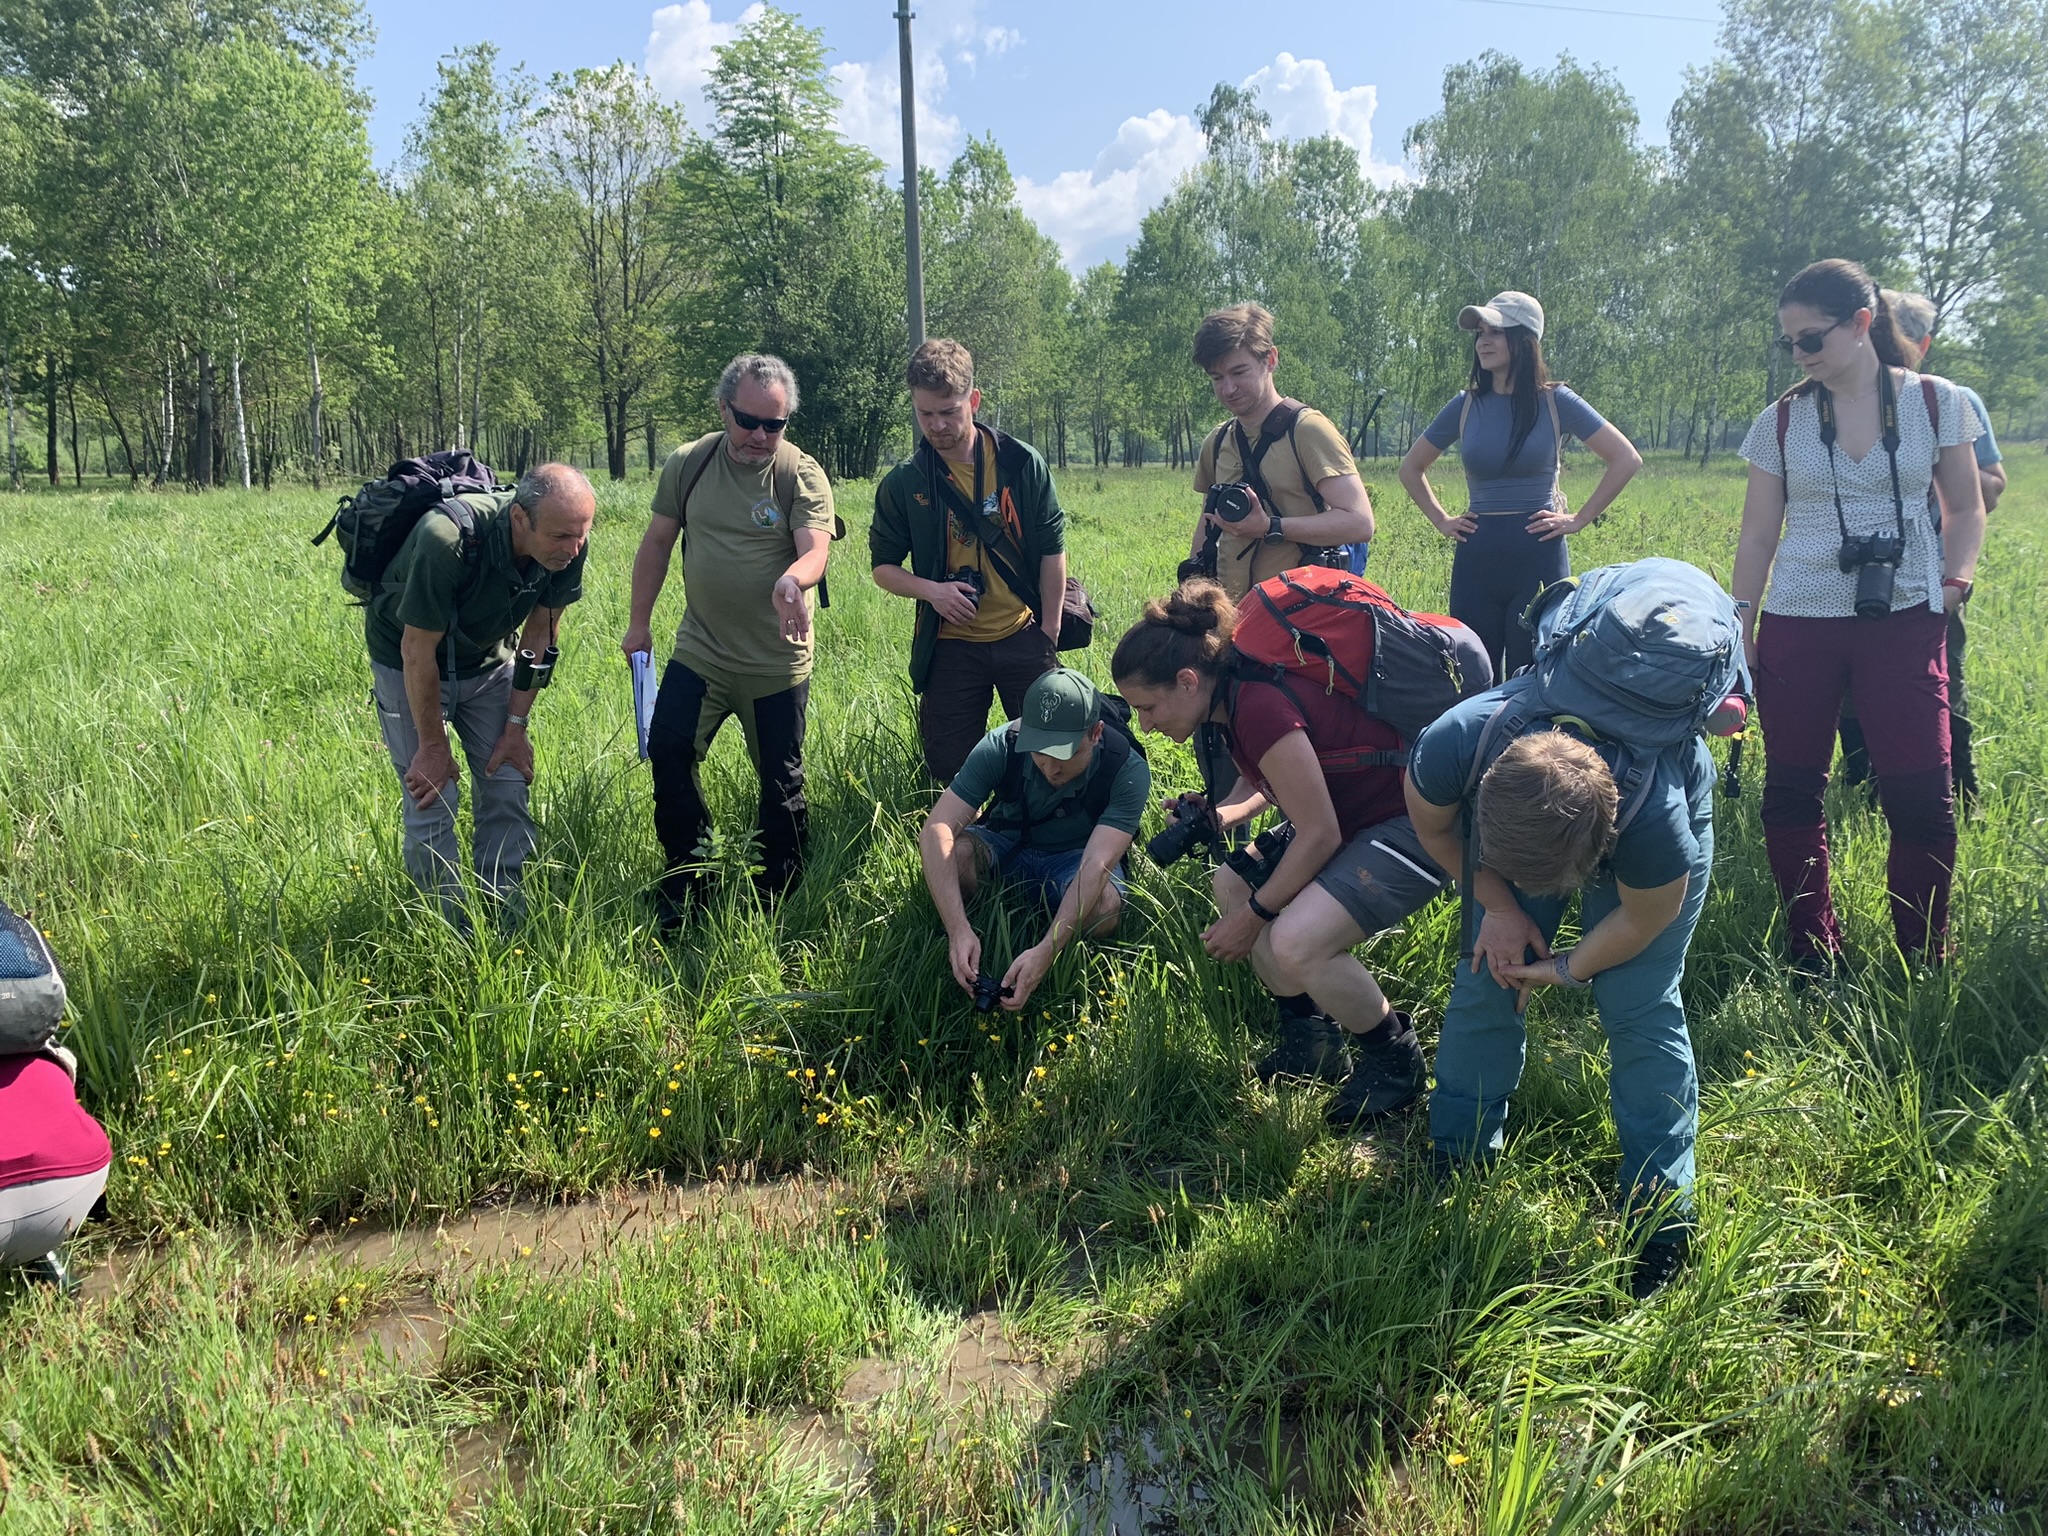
1873,559
530,671
1231,501
988,991
1191,825
970,577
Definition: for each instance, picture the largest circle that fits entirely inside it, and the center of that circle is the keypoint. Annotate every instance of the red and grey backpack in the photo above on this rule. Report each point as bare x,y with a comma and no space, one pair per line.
1325,629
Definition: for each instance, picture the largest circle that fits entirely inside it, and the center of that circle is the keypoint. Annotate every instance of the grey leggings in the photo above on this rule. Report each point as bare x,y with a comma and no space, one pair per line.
37,1217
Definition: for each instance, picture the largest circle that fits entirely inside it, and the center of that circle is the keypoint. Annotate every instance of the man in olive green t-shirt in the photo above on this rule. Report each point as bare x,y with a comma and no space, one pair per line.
440,630
755,512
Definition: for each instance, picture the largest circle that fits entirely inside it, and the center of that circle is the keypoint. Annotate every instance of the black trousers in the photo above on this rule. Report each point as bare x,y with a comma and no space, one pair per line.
688,711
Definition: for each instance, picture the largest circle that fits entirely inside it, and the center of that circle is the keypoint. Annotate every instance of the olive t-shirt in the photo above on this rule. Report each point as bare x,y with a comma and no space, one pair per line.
1242,564
1000,613
737,542
981,776
427,586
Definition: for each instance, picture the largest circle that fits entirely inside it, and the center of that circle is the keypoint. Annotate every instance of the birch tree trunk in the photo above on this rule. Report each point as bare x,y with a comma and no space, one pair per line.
318,401
7,404
241,419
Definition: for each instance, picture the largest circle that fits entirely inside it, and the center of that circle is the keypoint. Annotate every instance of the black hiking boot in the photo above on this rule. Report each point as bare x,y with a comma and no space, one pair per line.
1663,1256
1311,1047
1386,1075
678,898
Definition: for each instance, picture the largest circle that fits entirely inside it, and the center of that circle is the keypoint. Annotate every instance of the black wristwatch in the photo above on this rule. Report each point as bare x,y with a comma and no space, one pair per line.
1258,909
1273,533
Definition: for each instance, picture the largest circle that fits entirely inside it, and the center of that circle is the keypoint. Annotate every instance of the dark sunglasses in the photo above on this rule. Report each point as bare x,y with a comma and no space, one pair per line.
1811,342
769,424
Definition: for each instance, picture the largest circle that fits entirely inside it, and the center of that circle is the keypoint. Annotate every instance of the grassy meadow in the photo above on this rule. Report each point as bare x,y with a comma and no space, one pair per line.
1067,1271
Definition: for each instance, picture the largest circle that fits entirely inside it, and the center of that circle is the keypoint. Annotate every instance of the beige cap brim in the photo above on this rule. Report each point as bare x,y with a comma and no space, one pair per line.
1473,316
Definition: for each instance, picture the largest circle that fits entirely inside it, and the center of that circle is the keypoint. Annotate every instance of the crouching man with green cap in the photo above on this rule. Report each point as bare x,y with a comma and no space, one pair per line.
1050,800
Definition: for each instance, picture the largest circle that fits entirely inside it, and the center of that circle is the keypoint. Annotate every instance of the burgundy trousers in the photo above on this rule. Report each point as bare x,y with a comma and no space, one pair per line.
1896,671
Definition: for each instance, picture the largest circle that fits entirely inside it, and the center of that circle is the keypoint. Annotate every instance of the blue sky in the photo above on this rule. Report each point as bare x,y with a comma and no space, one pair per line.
1090,99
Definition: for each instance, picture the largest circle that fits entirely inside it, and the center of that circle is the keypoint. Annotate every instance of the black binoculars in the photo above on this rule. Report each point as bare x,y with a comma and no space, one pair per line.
988,991
534,672
1873,559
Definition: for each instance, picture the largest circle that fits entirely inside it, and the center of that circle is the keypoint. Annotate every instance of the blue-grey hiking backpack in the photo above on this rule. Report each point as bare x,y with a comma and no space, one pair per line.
1638,658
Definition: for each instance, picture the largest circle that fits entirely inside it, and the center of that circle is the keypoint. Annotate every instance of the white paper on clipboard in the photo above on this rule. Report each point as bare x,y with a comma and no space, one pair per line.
644,689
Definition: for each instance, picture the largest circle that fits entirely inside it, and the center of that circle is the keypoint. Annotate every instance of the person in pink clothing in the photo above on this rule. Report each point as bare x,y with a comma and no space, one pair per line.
53,1160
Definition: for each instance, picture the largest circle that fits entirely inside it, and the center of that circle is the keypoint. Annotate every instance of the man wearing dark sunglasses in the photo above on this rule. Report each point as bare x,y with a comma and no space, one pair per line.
755,513
974,513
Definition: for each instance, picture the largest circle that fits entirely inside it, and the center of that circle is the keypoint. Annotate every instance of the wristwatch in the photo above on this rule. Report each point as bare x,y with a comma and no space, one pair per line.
1561,962
1961,585
519,720
1273,533
1258,909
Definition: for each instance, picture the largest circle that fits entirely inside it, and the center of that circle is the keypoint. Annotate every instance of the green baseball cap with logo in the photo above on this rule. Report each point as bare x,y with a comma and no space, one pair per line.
1060,709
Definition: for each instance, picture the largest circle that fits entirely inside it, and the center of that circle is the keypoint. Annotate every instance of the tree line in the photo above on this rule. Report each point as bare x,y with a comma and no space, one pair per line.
205,281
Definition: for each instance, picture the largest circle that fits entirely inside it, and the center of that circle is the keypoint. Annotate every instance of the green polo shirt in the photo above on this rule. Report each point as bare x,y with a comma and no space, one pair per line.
482,608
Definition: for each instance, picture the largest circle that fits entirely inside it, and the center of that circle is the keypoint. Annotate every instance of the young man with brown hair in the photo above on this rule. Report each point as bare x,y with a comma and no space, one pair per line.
975,512
1306,494
1545,815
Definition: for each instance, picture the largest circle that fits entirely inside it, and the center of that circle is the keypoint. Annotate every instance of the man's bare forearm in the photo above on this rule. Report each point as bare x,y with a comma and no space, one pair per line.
423,685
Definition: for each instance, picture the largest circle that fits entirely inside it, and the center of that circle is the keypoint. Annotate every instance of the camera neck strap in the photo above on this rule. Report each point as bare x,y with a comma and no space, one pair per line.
1888,419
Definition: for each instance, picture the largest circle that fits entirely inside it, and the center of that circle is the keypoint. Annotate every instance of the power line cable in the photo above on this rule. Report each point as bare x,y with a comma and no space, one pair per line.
1588,10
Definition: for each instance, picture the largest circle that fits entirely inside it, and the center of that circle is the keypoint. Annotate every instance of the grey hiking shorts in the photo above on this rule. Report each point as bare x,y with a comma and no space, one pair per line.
1383,876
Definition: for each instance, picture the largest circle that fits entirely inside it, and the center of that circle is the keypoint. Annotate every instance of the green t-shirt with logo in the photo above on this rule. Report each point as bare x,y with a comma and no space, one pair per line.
736,542
481,606
981,776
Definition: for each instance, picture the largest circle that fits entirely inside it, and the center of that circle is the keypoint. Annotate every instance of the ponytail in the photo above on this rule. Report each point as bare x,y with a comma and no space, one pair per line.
1190,628
1888,337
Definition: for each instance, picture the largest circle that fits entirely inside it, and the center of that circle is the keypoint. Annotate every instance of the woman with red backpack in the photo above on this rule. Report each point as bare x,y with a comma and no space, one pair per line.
1861,582
1352,865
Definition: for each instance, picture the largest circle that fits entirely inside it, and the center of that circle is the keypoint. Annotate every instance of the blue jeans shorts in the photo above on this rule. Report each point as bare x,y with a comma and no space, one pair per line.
1045,875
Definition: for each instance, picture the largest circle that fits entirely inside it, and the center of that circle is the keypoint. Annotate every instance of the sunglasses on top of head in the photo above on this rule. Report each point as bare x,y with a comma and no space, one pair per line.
1811,342
750,423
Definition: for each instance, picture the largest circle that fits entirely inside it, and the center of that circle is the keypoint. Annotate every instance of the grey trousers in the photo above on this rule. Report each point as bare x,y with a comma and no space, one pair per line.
37,1217
475,707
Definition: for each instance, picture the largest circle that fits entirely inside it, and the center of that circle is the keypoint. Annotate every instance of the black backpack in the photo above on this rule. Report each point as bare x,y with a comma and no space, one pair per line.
372,524
1006,811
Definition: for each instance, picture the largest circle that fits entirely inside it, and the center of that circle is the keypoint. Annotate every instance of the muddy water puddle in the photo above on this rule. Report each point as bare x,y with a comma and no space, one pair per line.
544,1238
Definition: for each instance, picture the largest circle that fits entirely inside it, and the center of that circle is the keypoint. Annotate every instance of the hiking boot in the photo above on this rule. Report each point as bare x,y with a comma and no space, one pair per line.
1311,1047
1820,969
52,1270
1658,1264
1386,1075
677,899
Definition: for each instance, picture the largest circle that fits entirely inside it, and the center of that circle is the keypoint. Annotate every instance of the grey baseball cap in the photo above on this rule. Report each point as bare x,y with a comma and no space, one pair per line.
1501,311
1060,709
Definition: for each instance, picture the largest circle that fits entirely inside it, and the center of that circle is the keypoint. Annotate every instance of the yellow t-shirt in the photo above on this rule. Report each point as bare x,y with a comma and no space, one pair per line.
1242,564
1000,613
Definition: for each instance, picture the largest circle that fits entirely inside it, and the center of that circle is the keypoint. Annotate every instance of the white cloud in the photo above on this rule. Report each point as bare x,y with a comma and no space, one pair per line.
871,105
1093,213
681,47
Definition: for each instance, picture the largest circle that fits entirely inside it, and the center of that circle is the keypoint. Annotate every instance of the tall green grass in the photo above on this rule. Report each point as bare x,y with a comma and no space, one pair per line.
1280,1330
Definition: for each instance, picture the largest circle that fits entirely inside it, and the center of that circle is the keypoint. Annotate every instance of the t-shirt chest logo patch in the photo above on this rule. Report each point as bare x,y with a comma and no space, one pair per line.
765,513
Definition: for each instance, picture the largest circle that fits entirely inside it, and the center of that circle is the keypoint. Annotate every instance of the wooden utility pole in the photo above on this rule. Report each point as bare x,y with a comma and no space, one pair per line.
913,254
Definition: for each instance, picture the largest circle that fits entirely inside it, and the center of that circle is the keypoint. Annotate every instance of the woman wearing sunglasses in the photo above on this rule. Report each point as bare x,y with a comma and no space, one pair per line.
1510,423
1836,517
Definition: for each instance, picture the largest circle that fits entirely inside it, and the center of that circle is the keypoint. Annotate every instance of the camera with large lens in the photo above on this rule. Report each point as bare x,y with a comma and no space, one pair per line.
534,672
989,991
1191,825
1231,501
1873,559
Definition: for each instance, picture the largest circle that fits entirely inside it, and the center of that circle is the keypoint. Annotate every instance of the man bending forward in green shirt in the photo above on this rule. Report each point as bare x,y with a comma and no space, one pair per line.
440,630
1051,800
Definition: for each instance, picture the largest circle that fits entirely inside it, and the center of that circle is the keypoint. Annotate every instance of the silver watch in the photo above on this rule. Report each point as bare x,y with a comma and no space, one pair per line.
1561,962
